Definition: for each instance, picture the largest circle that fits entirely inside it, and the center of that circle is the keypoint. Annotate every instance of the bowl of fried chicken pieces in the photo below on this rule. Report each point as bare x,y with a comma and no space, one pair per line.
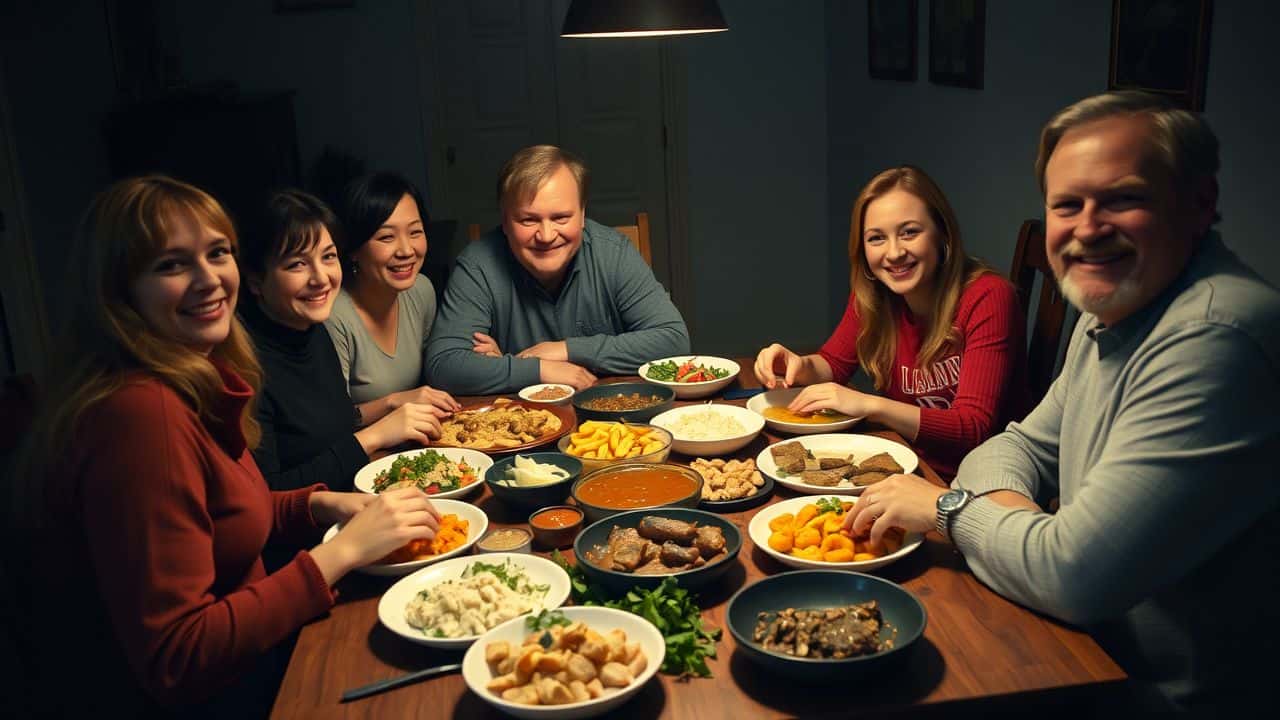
643,547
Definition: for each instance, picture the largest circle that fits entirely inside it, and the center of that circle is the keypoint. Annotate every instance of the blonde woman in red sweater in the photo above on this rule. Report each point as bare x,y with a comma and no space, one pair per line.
148,515
940,334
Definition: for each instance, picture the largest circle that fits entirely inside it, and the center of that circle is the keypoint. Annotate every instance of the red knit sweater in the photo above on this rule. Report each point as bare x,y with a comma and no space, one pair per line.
973,391
151,585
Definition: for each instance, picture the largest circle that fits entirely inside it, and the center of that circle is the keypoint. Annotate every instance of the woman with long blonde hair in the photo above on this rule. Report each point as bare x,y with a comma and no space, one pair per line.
940,334
146,511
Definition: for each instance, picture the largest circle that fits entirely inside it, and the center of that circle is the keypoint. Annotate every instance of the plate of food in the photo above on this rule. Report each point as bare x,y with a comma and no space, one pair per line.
506,426
838,463
451,603
709,430
772,406
440,473
547,393
731,485
461,526
644,547
808,533
691,376
606,656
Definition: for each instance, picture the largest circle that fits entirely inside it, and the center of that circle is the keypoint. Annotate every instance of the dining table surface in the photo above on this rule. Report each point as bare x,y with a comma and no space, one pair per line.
979,652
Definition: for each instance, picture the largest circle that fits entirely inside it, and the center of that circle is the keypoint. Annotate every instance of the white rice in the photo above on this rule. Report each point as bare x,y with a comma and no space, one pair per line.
706,425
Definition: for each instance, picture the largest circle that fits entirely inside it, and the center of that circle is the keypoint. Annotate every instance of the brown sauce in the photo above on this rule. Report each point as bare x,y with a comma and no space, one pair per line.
636,488
556,518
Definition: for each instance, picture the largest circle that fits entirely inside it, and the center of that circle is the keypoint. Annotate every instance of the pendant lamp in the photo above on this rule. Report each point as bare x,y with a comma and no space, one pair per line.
642,18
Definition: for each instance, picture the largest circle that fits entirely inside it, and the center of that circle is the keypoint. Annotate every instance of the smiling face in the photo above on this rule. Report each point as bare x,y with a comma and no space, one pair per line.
901,243
187,294
393,256
298,290
545,232
1117,229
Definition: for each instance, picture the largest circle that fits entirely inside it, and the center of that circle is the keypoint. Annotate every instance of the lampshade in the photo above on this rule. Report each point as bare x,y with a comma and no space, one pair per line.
639,18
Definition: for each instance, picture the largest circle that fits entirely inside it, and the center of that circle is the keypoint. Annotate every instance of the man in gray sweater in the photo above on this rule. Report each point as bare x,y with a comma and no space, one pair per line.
549,296
1161,435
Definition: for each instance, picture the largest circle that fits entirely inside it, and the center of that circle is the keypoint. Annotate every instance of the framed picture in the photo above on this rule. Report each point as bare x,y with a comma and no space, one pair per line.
1161,46
891,39
957,34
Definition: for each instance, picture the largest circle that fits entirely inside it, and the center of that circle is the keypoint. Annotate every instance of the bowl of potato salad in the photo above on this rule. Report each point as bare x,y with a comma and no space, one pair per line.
450,604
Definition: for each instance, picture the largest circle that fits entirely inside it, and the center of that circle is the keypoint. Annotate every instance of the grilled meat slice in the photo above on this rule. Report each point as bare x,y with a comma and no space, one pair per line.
831,463
709,541
880,462
627,548
673,554
789,457
660,529
825,478
869,478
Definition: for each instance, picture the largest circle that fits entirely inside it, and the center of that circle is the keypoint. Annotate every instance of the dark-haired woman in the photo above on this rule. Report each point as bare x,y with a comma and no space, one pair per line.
291,261
382,318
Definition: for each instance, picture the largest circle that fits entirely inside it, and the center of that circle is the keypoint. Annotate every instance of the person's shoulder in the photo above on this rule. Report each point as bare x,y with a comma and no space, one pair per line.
1222,289
143,404
989,291
604,239
423,292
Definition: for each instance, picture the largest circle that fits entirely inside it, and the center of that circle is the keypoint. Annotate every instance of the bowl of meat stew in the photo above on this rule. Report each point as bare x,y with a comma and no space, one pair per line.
641,548
633,402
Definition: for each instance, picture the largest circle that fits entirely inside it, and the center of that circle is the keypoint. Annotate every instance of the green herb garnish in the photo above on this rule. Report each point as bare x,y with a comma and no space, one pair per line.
545,619
415,468
830,504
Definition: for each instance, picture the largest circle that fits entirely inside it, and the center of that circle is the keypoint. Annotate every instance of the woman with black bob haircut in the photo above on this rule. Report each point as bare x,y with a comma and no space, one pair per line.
382,318
290,255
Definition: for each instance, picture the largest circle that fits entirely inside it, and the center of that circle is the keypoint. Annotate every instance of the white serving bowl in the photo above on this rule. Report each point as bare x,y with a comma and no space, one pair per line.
476,459
689,391
526,393
860,447
751,422
759,532
783,398
477,524
477,673
540,571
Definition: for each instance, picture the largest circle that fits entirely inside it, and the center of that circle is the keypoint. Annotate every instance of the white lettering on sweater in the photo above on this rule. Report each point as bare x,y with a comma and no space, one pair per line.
927,382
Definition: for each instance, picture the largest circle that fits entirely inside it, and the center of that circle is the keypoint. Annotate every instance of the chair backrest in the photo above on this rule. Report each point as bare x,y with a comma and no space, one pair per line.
1030,259
638,234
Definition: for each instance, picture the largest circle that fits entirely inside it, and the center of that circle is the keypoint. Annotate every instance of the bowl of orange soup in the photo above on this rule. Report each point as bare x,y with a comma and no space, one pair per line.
636,486
772,406
556,526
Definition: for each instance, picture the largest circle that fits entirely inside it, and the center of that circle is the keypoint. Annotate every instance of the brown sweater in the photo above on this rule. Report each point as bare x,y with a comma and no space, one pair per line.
150,591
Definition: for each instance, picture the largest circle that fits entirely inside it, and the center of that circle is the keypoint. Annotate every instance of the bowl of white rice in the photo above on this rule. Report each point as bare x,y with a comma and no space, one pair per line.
709,430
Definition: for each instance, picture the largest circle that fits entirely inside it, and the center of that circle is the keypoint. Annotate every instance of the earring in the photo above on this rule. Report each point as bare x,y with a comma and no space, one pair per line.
867,274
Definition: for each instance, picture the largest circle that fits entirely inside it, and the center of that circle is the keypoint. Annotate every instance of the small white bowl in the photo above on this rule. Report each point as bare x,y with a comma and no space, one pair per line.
526,393
477,524
689,391
540,571
783,398
751,422
478,461
759,531
477,673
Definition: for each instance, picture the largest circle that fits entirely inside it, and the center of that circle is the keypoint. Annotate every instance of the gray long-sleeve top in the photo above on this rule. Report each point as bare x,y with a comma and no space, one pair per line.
611,311
1161,437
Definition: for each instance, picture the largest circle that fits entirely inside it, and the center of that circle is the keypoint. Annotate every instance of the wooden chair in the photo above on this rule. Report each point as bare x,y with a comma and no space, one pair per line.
638,234
1030,259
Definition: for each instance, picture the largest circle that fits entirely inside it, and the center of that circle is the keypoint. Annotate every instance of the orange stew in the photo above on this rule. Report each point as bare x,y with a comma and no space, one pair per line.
636,488
556,518
781,414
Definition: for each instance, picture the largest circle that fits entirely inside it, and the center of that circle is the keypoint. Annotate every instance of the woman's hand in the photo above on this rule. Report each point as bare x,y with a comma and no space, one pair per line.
390,522
906,501
328,507
427,395
485,345
412,422
777,365
833,396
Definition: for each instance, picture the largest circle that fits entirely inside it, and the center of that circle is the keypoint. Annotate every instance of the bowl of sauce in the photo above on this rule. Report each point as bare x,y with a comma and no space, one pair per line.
547,393
636,486
556,526
506,540
772,406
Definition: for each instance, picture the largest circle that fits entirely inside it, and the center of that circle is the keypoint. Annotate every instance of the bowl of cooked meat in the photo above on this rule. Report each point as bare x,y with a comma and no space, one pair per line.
823,625
628,401
643,547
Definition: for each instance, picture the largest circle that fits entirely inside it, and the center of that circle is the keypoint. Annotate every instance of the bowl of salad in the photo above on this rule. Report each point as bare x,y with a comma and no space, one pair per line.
691,376
440,472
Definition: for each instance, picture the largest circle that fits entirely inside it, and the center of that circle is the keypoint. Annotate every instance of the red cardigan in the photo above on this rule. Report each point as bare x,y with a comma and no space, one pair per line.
977,387
152,580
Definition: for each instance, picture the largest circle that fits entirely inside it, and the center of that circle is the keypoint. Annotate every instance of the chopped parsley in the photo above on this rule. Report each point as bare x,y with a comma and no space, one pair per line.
830,504
544,620
508,574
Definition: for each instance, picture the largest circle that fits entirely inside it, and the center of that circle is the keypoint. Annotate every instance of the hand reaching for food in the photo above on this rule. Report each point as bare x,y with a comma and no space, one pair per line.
832,396
777,366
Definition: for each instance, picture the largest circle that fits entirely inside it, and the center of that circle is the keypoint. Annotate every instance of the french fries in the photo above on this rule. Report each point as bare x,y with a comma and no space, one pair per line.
597,440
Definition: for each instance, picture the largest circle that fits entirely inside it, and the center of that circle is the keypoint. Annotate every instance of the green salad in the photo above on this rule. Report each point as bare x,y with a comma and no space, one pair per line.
686,372
432,472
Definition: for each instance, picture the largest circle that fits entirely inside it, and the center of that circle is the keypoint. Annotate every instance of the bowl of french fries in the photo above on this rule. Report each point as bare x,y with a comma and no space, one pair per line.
598,443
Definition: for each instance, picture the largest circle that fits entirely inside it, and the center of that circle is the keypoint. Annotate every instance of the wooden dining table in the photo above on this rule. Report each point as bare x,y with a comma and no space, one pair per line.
979,652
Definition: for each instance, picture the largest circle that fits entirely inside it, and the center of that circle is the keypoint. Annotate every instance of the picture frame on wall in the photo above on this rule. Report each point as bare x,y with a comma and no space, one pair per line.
957,37
891,39
1161,46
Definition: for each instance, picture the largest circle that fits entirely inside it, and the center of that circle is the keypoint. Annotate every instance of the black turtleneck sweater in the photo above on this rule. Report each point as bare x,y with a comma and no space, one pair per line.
305,412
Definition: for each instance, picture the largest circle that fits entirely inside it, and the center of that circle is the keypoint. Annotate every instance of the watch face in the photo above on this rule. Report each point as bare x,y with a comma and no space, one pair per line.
950,500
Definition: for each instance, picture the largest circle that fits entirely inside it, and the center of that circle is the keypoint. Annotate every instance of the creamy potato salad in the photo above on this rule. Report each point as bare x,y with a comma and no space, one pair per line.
485,596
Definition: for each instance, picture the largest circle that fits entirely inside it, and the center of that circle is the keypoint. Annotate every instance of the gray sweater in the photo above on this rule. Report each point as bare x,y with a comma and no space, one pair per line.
370,372
612,312
1161,437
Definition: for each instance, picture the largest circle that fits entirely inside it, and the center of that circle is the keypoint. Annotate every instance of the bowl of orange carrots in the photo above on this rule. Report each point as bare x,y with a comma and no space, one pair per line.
808,532
461,526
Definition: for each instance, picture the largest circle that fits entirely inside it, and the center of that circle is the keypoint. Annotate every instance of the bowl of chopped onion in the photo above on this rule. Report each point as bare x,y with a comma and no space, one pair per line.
533,479
691,376
709,430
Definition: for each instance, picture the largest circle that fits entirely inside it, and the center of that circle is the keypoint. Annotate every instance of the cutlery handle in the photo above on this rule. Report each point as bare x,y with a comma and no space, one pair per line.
393,683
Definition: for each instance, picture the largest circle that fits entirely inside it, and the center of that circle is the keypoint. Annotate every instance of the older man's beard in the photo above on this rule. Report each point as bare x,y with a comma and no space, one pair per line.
1124,294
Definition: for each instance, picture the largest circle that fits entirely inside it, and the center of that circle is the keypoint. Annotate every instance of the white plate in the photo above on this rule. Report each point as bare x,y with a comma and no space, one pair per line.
477,524
477,673
783,398
759,531
750,421
688,391
860,447
540,571
476,459
526,393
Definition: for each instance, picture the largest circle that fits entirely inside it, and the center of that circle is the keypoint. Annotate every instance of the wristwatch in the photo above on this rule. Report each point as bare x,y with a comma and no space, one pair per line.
950,503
